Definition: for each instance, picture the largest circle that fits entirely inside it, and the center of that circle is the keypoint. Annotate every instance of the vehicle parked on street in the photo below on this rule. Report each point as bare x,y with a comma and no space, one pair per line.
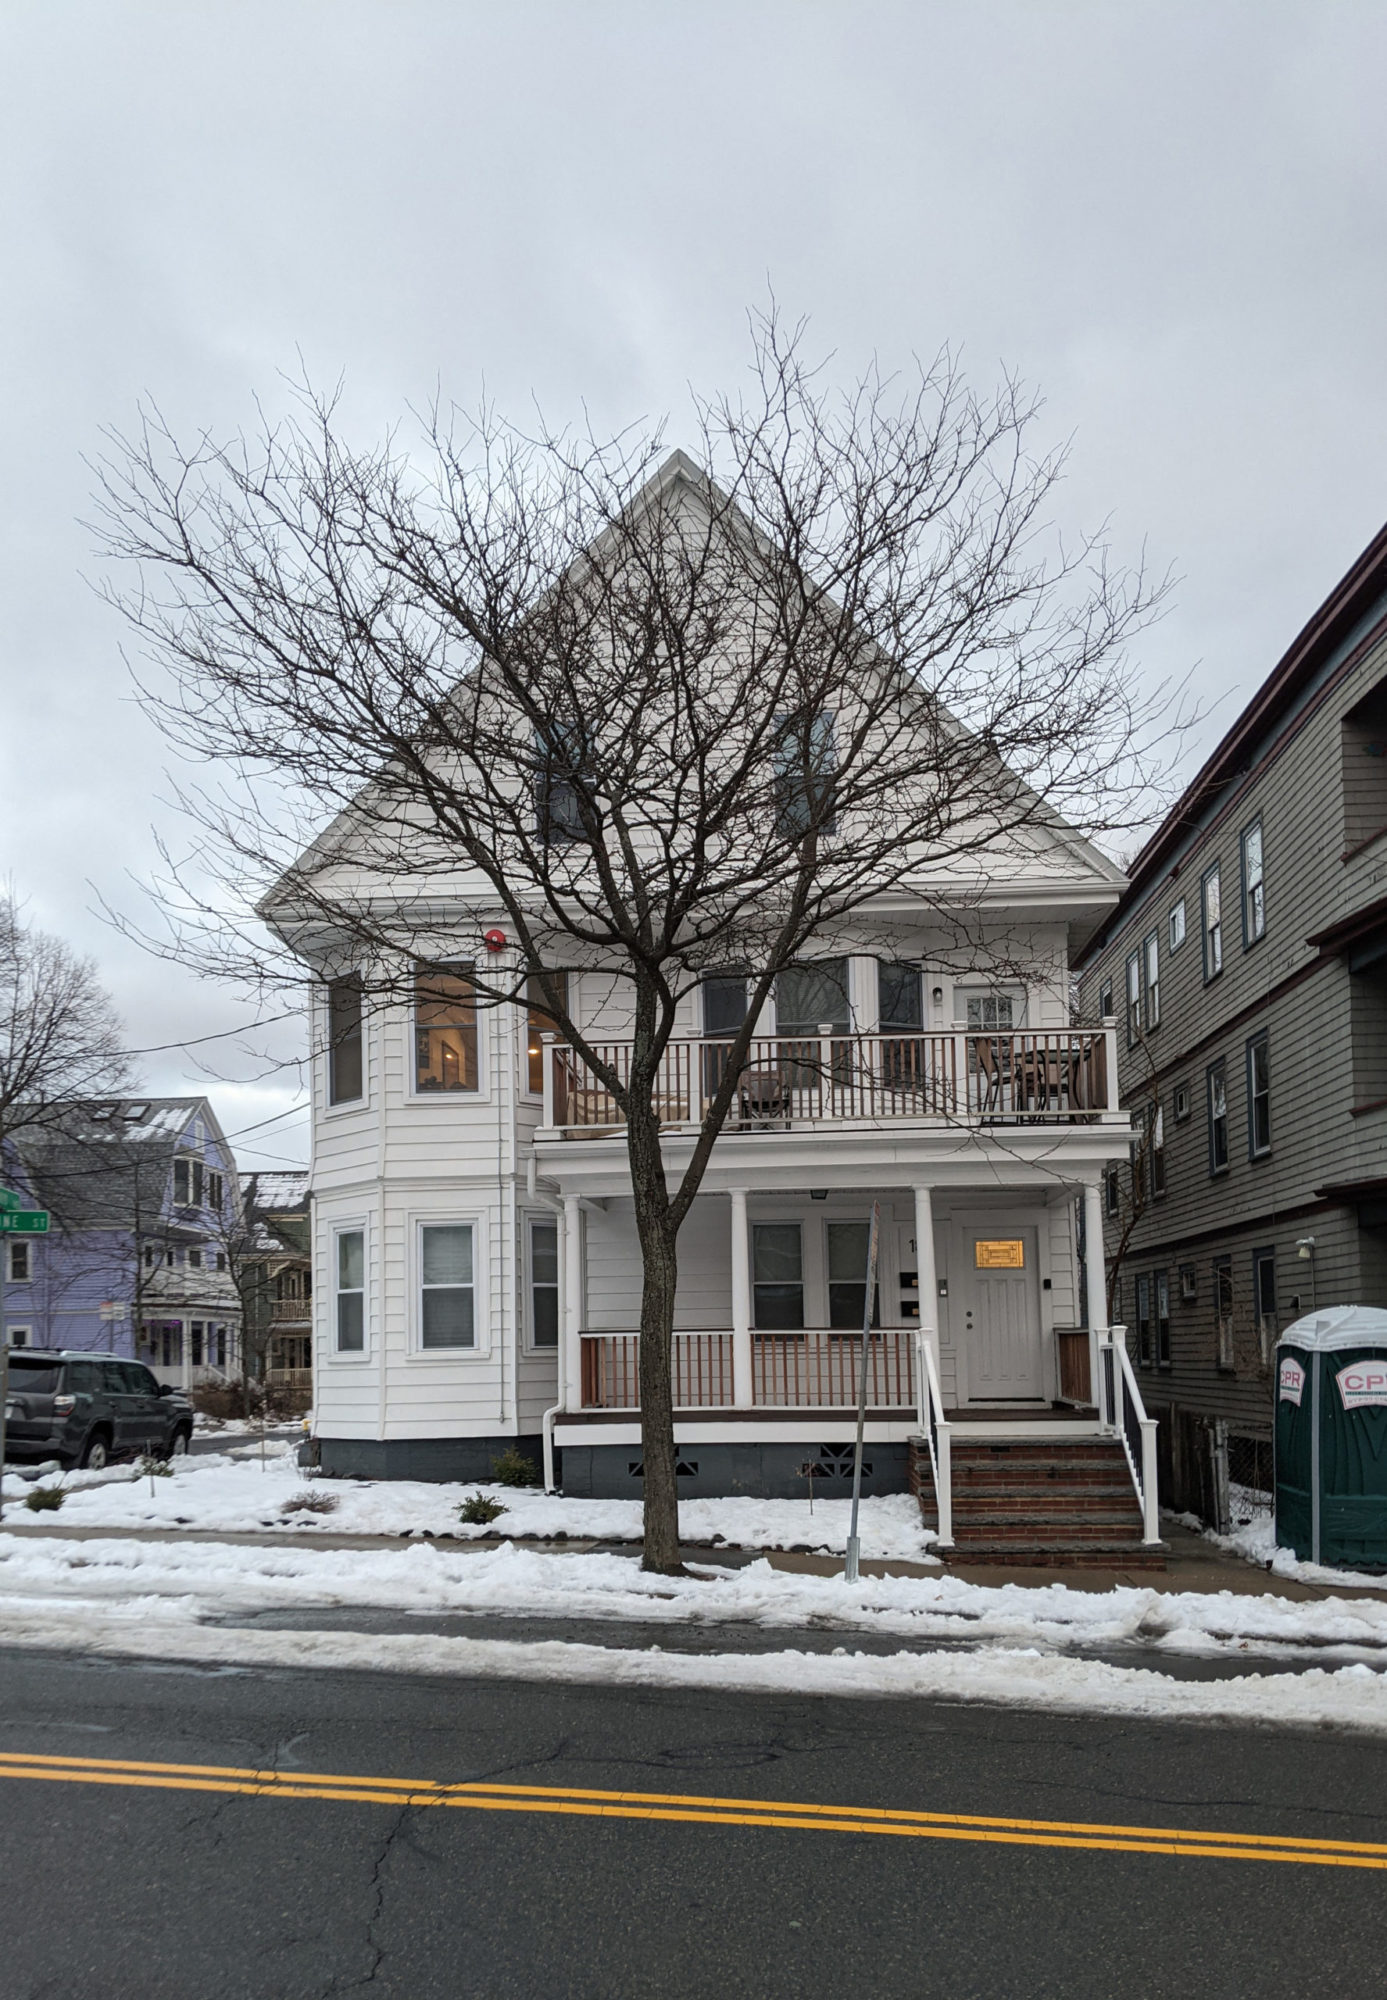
87,1409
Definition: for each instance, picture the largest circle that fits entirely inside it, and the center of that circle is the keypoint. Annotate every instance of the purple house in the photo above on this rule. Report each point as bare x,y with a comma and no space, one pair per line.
139,1260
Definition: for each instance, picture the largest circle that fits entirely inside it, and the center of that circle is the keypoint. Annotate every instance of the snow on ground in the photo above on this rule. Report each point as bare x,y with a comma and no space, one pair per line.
1347,1697
192,1580
232,1492
1255,1541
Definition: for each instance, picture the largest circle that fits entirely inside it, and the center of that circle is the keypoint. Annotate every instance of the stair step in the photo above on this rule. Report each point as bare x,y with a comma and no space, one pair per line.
1111,1555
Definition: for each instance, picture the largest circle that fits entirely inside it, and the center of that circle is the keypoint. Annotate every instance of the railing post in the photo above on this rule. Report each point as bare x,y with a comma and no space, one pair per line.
963,1083
743,1385
549,1046
1095,1287
571,1388
927,1282
943,1445
825,1069
1150,1500
1117,1335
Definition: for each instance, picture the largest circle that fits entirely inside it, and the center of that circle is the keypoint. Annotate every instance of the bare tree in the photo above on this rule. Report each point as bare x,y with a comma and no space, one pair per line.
658,715
60,1041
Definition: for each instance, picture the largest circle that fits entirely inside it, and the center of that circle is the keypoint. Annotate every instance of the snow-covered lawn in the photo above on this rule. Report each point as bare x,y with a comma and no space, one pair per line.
1014,1644
233,1492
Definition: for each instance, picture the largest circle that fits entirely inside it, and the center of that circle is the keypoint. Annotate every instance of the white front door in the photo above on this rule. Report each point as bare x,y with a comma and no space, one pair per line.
1000,1335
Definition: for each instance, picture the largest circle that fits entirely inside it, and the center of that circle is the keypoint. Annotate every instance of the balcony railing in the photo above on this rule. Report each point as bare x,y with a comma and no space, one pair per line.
811,1368
1058,1076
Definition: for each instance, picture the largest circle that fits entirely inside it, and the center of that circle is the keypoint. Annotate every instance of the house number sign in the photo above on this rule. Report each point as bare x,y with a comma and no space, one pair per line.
1001,1255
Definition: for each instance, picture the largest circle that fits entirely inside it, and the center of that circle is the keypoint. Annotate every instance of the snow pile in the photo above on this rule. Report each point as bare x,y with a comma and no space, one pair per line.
231,1492
208,1580
154,1625
1255,1542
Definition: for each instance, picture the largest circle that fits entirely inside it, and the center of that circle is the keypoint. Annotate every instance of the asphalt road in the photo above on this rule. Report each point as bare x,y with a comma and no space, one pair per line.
150,1888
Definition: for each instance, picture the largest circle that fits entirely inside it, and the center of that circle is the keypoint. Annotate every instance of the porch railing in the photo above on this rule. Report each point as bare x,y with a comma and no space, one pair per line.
1122,1412
1058,1076
939,1438
813,1368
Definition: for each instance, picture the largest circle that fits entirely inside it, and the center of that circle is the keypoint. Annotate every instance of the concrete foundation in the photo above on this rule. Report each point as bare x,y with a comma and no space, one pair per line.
440,1459
709,1471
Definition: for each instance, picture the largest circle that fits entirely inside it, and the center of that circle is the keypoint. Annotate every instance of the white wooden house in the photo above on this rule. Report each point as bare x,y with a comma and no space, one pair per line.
476,1267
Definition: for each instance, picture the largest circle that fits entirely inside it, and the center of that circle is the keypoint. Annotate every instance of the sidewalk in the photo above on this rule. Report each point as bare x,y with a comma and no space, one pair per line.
1194,1564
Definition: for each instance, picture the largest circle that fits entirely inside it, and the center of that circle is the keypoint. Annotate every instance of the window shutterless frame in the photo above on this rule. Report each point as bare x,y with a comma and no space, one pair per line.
544,1282
1133,998
1216,1088
1254,900
348,1270
447,1308
1211,922
1151,969
1177,924
1258,1097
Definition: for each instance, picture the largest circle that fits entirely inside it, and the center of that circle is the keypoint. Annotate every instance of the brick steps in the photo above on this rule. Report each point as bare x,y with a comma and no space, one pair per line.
1039,1502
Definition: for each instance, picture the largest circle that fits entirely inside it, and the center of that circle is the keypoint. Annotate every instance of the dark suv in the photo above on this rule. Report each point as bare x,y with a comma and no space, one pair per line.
86,1409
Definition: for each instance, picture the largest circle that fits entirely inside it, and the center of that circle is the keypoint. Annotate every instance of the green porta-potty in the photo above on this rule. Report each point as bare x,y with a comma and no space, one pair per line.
1331,1437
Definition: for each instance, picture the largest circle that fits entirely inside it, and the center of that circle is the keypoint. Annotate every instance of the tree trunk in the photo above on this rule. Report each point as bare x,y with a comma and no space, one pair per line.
659,1259
657,1403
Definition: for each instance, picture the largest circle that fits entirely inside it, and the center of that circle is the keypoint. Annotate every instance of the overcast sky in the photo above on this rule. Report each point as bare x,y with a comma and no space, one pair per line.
1168,217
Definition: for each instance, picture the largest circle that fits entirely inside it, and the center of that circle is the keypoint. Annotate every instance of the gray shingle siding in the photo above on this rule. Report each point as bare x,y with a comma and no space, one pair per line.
1303,779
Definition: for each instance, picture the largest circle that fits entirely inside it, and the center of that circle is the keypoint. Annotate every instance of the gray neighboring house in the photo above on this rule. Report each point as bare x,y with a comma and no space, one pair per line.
1246,964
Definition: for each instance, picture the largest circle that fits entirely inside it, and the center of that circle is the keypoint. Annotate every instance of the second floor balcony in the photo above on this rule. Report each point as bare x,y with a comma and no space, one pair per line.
1058,1077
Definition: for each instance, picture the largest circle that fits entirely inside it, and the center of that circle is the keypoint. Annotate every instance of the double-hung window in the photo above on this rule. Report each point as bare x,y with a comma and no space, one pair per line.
777,1269
804,761
1156,1127
344,1057
351,1291
848,1244
19,1261
1258,1098
1162,1329
1151,966
187,1183
1177,924
446,1285
544,1284
1133,998
445,1031
1217,1081
1254,885
1223,1312
1211,905
559,768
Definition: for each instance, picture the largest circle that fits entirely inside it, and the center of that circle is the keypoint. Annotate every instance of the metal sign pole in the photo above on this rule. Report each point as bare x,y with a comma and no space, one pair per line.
4,1366
850,1567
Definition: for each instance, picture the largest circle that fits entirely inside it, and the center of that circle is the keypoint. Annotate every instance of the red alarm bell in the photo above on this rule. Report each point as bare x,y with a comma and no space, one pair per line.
495,940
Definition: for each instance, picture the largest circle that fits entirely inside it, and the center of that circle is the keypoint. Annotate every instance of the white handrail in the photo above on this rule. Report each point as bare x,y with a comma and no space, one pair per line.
939,1438
1129,1405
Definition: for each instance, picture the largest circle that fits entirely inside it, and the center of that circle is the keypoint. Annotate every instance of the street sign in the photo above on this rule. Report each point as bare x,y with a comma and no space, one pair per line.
8,1200
23,1222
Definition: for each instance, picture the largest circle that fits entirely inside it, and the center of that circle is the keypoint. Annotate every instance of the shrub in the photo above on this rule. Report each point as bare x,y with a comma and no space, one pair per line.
45,1499
311,1503
512,1468
479,1508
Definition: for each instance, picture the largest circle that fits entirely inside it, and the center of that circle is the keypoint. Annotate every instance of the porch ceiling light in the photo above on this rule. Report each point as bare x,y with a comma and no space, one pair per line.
1305,1248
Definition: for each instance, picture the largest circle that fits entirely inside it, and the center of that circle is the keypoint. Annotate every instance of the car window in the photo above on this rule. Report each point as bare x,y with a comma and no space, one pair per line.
34,1378
139,1381
113,1379
83,1378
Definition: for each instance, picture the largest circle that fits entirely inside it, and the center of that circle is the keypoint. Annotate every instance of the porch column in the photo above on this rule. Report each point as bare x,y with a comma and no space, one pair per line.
572,1294
926,1275
742,1392
1095,1285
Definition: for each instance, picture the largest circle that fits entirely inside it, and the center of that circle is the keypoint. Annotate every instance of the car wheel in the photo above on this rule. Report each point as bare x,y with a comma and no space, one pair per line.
178,1444
96,1453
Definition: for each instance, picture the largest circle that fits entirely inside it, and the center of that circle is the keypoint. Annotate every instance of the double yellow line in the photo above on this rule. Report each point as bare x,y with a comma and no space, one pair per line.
784,1815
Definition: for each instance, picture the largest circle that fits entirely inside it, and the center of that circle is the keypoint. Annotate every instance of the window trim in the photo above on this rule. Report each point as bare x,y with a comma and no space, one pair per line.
1260,1040
349,1357
1151,988
543,1219
1224,1356
1132,997
332,1104
1217,1069
1211,874
1177,908
1156,1113
15,1246
1251,938
417,1348
1180,1095
455,968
